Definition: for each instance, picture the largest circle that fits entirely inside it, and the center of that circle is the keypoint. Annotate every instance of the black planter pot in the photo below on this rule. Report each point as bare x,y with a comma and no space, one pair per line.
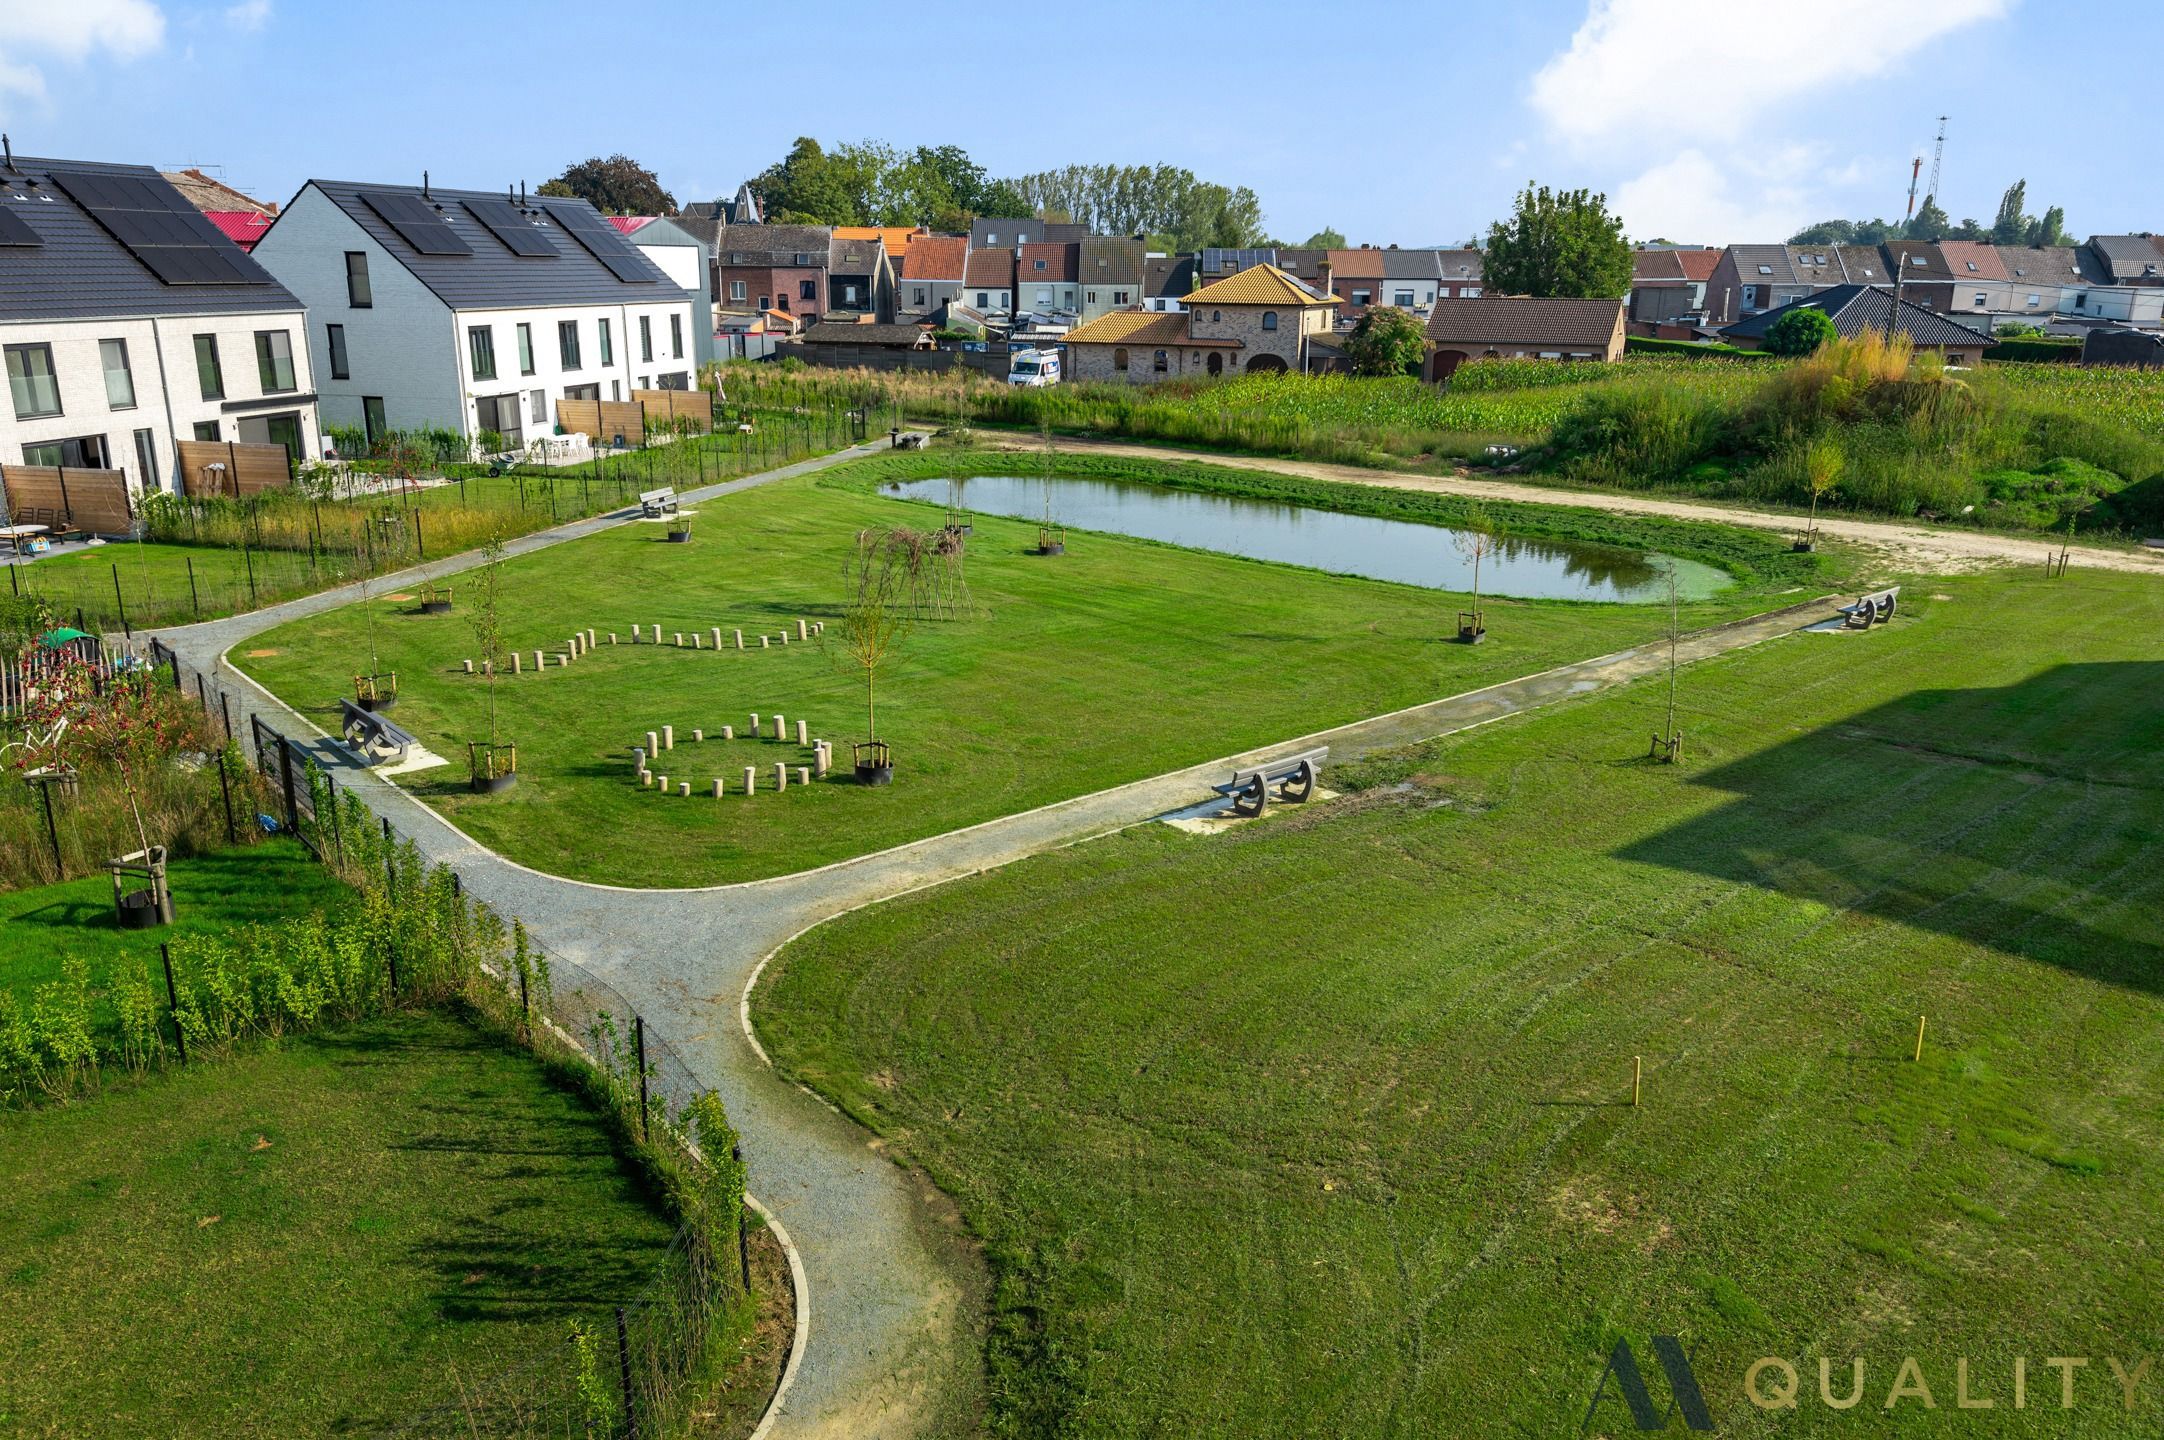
676,538
875,774
1052,547
495,786
378,703
1803,547
138,910
435,607
1472,637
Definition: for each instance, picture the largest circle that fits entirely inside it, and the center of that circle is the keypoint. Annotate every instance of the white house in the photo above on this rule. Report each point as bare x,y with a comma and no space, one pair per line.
473,309
129,321
684,258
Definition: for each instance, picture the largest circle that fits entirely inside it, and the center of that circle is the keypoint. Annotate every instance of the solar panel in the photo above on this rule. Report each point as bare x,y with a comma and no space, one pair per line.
604,242
513,227
171,237
417,222
14,230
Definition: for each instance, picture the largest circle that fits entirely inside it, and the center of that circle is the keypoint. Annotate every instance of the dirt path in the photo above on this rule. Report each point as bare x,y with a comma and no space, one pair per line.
1912,545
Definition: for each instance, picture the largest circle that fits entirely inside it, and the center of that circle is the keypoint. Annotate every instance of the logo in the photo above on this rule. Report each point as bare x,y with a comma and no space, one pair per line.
1630,1383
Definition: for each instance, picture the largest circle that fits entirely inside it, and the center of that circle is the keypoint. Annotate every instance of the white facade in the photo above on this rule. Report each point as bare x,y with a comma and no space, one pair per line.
410,359
133,418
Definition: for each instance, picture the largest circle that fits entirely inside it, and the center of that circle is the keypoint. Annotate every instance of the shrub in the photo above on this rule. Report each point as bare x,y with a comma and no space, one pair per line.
1799,332
1386,341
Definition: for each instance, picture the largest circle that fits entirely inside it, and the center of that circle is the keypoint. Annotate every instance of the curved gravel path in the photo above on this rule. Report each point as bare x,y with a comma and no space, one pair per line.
883,1325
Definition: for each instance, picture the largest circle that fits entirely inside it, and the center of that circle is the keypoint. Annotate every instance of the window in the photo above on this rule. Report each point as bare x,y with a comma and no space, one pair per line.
1044,295
918,293
1093,297
1360,297
1750,297
31,380
567,343
146,457
616,389
736,290
676,337
1216,315
1403,299
803,258
274,360
525,349
991,237
983,301
481,349
736,257
1470,292
1269,319
1972,264
358,295
1979,299
335,336
1765,269
1159,363
807,290
85,452
372,417
119,382
540,399
2033,299
206,430
1120,297
209,374
1119,358
1036,264
608,344
646,339
1917,261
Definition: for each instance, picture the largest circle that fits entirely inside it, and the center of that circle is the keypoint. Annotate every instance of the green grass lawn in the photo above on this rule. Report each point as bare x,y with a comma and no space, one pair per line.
1321,1126
1121,659
306,1240
260,884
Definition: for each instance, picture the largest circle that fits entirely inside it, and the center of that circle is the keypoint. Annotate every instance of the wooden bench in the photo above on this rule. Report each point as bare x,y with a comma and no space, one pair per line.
658,502
1873,609
1294,777
373,737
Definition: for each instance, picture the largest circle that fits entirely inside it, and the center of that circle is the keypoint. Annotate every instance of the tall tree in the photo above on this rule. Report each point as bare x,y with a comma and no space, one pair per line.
2011,227
804,188
1559,243
1162,201
2051,230
618,185
1327,238
1930,222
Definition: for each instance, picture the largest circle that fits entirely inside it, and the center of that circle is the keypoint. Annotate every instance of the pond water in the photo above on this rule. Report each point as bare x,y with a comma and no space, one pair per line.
1399,550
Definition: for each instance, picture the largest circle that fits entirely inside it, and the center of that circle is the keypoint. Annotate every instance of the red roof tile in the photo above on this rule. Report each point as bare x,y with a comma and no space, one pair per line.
242,227
936,257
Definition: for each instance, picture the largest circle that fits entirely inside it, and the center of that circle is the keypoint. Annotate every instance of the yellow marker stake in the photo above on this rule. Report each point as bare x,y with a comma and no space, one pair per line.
1638,1075
1919,1039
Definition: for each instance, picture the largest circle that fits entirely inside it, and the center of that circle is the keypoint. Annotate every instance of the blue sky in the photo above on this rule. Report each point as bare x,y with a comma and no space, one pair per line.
1703,120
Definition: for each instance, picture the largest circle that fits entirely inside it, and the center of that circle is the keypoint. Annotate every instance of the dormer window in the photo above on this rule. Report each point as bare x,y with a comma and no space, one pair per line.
1972,264
991,237
1037,264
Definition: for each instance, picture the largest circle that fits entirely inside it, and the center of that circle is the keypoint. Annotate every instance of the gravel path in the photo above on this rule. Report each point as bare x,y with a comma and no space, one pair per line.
883,1323
1912,544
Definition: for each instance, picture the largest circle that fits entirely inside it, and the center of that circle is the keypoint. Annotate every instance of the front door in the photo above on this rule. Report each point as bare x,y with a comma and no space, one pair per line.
1216,365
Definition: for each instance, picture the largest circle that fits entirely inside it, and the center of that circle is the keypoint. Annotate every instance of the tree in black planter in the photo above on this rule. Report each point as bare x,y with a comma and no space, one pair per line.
494,763
374,690
883,582
1051,535
1475,542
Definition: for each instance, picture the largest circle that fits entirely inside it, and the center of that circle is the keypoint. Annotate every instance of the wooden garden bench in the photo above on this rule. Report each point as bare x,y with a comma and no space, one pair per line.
1294,777
1873,609
658,502
374,738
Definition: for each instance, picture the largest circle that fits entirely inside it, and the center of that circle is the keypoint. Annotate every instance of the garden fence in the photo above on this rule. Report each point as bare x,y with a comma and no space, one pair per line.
644,1353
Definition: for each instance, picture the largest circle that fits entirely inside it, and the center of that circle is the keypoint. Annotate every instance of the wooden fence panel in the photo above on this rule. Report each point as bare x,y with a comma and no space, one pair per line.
249,469
601,421
96,501
695,406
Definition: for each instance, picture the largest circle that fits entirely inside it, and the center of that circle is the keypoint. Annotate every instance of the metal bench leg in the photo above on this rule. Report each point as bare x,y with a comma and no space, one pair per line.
1251,799
1300,785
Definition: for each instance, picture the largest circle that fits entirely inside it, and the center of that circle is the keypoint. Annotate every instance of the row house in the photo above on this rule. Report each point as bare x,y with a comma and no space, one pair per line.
679,252
762,267
1668,285
997,233
1109,274
1045,276
1856,309
1167,281
1257,321
934,271
988,283
130,322
860,278
476,310
1403,279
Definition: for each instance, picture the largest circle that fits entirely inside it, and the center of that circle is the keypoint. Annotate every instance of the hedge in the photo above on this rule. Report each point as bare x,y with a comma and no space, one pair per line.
1691,349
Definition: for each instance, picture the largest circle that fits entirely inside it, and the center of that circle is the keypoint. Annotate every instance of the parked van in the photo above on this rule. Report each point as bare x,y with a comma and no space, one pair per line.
1033,367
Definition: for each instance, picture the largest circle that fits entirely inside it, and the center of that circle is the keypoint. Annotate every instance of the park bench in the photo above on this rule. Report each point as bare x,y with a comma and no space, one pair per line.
1873,609
914,440
658,502
373,737
1294,777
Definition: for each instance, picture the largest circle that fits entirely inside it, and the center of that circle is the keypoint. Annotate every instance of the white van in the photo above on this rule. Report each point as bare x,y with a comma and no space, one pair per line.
1033,367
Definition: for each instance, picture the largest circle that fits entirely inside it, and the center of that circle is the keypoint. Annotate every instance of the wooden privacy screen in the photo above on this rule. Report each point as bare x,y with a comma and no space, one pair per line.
601,421
694,405
96,501
249,469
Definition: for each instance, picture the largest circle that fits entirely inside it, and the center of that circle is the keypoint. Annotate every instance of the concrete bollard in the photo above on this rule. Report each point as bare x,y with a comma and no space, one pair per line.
717,787
717,637
803,732
739,639
699,736
822,757
540,660
514,662
612,637
646,777
754,731
638,757
698,641
664,784
803,774
653,742
728,732
589,637
751,779
803,632
784,637
762,642
683,790
781,728
469,667
562,661
781,775
679,639
668,737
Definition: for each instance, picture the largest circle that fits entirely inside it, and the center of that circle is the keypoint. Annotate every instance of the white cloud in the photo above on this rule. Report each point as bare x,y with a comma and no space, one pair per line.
1694,198
1641,70
248,14
71,31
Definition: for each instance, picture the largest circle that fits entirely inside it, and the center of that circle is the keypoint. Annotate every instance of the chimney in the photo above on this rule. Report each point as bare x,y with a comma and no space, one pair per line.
424,186
8,146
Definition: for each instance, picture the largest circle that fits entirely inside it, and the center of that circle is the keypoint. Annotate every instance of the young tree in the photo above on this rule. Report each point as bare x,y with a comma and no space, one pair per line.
618,185
1799,332
1822,464
1475,540
1386,341
1559,243
485,616
880,605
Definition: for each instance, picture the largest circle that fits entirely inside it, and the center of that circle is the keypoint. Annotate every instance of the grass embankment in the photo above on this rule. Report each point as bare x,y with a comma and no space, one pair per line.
326,1236
1119,660
2019,447
1321,1126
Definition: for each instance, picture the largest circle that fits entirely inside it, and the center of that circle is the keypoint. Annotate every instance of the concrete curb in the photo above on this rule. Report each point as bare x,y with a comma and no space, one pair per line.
800,1333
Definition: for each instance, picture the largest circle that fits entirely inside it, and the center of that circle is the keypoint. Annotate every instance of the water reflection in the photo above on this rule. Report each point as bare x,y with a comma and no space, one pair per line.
1399,550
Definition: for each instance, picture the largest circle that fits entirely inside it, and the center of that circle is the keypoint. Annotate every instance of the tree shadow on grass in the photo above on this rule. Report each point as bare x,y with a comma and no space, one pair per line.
2021,818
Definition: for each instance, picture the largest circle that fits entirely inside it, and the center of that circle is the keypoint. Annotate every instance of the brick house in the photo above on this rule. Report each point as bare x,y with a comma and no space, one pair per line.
1517,327
988,282
1357,278
1258,321
772,267
1751,279
933,269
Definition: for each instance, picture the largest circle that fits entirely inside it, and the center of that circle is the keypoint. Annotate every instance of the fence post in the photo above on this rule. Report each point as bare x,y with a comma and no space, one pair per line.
225,788
172,659
195,601
638,1035
743,1237
285,769
390,871
623,1369
122,601
172,1001
227,711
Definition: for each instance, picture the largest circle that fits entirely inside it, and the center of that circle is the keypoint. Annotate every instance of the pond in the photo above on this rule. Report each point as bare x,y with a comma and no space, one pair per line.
1399,550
